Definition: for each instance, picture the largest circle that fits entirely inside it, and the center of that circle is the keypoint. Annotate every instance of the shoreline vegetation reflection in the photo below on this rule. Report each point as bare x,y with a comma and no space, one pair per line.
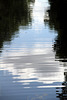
13,13
58,22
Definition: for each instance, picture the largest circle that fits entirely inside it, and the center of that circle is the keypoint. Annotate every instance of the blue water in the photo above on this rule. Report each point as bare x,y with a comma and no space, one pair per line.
28,70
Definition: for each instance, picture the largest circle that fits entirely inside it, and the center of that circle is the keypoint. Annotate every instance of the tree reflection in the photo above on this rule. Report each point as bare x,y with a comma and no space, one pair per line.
13,13
63,94
58,22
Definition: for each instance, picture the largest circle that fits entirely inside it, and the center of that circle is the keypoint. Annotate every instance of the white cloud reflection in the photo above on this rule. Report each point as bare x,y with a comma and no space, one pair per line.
38,65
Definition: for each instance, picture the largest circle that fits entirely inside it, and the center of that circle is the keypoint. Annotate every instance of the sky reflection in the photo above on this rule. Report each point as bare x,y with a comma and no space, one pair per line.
28,64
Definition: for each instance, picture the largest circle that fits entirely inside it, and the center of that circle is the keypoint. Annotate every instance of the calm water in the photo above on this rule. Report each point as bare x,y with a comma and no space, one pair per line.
29,69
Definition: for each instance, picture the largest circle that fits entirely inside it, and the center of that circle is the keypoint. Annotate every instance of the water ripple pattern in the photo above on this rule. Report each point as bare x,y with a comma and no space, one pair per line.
28,70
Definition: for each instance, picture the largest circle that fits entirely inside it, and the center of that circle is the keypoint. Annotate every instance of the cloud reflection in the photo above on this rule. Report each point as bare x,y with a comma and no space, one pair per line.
29,64
42,67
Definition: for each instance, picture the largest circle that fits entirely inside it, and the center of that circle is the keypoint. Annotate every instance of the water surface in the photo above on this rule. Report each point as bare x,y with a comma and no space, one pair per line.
28,67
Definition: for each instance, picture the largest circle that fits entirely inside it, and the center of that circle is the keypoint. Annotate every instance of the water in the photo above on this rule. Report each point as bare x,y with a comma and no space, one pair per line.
29,69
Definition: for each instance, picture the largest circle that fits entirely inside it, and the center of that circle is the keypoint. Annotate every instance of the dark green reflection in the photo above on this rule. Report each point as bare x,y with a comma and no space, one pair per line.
63,94
13,13
58,22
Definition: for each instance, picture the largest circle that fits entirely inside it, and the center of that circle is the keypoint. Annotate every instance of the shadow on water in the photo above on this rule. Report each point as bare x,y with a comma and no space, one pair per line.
58,22
13,13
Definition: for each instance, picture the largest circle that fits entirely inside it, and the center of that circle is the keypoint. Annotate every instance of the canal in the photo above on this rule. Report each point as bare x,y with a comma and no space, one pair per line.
31,67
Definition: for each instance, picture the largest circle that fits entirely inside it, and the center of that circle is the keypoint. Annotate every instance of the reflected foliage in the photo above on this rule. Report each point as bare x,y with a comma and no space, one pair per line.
58,22
63,94
13,13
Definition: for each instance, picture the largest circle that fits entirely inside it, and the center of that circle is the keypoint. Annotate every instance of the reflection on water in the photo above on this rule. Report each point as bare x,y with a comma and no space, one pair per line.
13,14
28,68
58,21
